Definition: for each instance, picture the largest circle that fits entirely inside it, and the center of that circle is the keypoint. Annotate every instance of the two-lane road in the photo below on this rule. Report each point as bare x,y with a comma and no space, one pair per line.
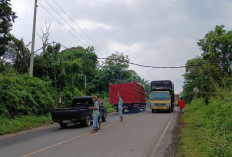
139,135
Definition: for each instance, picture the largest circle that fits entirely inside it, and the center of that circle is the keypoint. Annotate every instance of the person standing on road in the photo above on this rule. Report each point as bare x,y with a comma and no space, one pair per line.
95,114
99,117
120,103
181,105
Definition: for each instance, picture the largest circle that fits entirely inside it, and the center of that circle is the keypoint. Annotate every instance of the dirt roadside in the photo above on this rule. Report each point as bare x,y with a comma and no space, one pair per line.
171,140
175,140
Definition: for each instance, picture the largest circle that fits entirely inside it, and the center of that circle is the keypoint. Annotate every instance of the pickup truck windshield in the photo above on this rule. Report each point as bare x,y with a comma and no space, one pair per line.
160,96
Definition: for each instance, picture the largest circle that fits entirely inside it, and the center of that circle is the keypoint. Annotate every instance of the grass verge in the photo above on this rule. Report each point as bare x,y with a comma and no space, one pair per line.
22,123
206,130
108,105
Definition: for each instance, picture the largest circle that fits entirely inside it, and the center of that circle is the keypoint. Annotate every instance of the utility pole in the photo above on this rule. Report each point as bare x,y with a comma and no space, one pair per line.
33,40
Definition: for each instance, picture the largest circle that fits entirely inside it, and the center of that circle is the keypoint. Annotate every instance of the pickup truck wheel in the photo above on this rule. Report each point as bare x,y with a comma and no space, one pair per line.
87,121
104,117
153,110
63,125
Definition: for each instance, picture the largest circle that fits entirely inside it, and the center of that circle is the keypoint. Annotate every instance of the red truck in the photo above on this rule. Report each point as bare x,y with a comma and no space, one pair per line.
134,97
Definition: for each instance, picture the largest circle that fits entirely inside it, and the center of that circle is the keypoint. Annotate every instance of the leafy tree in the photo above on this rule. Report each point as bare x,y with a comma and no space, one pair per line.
116,67
217,49
18,54
7,17
209,71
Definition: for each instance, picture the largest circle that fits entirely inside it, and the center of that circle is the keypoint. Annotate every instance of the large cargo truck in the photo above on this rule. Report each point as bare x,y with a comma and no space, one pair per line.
162,96
134,97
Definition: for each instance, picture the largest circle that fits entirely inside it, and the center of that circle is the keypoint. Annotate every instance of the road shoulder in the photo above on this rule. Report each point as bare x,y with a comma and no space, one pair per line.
170,142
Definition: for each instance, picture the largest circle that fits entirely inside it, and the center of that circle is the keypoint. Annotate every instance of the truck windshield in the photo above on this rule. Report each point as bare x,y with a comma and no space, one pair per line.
160,96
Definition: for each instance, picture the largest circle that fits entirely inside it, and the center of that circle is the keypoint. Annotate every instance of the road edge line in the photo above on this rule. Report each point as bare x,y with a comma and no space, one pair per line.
152,154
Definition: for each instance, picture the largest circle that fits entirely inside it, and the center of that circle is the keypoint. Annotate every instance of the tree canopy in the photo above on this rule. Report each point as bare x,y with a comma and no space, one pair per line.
7,17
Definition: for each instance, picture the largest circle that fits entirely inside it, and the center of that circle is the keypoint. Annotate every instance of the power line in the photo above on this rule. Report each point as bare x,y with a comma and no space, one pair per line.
59,22
156,67
77,24
65,21
144,66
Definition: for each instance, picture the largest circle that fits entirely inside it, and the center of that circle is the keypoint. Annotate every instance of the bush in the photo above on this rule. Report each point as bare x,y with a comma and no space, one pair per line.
68,94
208,128
24,95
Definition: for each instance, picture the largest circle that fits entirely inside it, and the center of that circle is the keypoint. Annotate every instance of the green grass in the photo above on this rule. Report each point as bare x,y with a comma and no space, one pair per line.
206,130
108,105
22,123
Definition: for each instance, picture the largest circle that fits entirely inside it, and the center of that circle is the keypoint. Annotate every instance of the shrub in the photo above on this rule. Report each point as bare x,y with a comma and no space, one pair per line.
24,95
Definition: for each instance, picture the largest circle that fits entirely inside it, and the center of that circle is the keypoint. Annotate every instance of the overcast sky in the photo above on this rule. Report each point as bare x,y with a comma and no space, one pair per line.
150,32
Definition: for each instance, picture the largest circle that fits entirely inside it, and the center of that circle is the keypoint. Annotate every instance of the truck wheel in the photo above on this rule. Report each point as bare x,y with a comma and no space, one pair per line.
153,110
104,117
137,109
87,121
144,109
63,125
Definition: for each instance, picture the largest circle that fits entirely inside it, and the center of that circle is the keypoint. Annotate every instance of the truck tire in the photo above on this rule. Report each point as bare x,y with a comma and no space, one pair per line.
87,121
144,109
63,125
153,110
104,117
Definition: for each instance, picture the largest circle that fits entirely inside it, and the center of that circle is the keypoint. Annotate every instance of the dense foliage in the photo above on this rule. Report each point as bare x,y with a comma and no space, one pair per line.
212,67
207,129
207,123
24,95
7,17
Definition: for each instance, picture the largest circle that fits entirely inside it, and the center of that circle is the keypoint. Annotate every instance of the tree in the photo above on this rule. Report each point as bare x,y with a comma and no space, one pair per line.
7,17
45,35
217,49
18,55
116,67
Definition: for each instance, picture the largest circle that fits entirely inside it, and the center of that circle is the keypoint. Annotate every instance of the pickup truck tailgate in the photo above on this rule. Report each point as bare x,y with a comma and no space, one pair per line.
66,113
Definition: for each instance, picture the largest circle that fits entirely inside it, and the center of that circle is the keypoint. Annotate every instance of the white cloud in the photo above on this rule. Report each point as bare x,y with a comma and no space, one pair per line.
91,25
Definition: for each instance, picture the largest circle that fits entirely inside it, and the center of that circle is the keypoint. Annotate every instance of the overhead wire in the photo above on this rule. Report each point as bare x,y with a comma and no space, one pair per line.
67,23
59,22
157,67
144,66
96,44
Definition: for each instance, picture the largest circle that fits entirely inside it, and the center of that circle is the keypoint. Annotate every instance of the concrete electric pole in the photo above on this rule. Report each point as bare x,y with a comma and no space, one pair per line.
33,40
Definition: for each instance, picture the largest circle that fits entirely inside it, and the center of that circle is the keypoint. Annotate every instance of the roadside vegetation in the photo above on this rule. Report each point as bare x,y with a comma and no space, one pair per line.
206,130
19,123
206,127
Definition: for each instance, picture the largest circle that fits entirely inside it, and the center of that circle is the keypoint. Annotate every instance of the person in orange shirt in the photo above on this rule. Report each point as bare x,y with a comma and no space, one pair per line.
181,105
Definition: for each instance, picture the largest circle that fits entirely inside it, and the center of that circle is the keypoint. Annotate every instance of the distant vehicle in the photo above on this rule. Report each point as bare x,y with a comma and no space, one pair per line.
162,96
78,112
176,100
134,96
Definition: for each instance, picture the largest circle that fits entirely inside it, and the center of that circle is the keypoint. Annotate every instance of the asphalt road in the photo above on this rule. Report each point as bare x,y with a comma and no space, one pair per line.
140,135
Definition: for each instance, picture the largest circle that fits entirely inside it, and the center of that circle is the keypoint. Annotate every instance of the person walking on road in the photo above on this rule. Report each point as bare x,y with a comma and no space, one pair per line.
95,114
120,103
181,105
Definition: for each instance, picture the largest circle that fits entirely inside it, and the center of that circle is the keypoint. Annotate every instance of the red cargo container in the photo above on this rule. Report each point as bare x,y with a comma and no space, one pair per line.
134,97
